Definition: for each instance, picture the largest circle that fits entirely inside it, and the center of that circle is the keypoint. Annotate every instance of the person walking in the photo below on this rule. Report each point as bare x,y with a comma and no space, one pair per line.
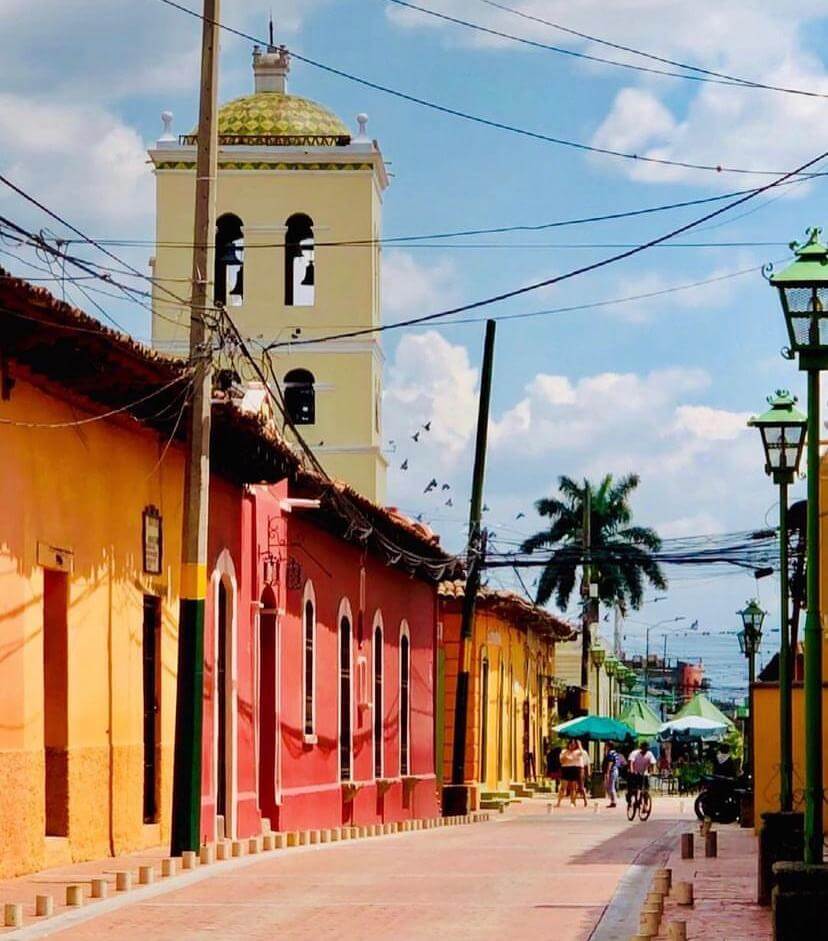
613,760
573,761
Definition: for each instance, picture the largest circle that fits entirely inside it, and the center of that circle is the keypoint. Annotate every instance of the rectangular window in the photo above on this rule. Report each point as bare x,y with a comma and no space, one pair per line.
55,700
152,703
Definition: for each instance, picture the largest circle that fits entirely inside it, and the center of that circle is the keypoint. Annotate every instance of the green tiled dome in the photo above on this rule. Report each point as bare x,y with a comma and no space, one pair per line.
272,113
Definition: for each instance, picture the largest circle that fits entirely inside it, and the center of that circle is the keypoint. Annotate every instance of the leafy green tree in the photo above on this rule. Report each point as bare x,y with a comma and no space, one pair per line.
621,554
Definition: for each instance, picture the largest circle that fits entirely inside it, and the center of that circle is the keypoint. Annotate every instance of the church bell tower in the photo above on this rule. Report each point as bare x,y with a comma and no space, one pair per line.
296,259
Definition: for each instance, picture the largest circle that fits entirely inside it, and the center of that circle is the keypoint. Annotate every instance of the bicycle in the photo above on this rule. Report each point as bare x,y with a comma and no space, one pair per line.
639,800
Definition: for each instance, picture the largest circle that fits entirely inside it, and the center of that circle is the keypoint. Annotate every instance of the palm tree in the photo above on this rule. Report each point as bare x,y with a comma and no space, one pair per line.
621,554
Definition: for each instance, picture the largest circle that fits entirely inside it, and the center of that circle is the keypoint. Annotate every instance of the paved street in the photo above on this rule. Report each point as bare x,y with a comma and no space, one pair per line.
525,874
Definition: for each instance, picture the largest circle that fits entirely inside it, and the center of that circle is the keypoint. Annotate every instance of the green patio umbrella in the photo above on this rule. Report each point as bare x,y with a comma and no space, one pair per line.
641,719
596,728
700,705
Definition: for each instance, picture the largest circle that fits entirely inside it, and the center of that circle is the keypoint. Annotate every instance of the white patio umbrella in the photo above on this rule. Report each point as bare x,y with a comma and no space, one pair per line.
695,726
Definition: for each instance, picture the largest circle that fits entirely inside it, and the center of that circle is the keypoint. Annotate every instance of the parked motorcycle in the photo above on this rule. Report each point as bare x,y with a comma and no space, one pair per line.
720,798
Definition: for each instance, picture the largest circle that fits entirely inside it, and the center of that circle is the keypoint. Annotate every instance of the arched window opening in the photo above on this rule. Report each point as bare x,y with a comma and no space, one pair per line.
405,707
345,702
300,275
309,671
229,266
484,718
500,720
378,703
300,396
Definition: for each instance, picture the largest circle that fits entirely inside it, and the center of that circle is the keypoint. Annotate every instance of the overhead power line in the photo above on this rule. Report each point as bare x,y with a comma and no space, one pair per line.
487,122
696,75
568,275
710,73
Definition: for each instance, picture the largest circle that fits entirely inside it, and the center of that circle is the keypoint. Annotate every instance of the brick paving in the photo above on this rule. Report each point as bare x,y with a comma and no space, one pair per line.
526,873
724,906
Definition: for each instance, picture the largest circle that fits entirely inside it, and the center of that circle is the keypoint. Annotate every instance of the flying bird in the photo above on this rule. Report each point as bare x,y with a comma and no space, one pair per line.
404,465
485,508
419,517
446,487
416,437
449,502
520,516
431,485
427,426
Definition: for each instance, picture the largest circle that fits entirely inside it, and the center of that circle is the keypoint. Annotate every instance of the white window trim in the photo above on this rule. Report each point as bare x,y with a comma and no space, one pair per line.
225,569
309,595
344,612
404,632
378,707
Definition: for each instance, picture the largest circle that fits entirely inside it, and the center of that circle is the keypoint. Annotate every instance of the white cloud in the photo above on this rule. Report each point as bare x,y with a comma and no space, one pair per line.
411,287
694,458
716,124
81,161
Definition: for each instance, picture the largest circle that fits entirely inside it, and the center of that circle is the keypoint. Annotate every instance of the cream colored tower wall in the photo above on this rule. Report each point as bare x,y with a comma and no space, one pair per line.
345,206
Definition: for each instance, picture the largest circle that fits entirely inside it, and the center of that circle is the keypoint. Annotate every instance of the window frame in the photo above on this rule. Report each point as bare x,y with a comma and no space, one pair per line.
378,696
309,737
405,716
344,613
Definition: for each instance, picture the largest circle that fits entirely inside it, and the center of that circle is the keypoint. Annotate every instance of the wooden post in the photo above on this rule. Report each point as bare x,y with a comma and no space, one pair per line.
711,844
684,893
687,846
186,806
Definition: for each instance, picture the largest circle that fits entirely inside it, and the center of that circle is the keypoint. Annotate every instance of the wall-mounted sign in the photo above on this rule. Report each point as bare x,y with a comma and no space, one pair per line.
152,540
54,557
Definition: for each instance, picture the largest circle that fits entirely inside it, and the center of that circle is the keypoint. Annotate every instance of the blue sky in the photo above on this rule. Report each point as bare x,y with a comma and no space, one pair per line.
662,386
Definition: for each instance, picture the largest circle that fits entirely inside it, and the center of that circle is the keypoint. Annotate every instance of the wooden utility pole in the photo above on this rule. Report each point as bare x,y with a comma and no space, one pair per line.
455,796
186,810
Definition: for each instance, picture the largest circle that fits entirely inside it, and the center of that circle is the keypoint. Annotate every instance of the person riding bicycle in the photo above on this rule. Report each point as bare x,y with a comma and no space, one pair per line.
640,763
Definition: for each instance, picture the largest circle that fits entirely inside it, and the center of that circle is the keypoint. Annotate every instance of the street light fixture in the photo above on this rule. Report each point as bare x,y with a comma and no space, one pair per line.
612,665
782,428
803,292
750,639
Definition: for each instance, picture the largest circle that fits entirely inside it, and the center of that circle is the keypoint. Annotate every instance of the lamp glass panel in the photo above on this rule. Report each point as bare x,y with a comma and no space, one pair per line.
807,313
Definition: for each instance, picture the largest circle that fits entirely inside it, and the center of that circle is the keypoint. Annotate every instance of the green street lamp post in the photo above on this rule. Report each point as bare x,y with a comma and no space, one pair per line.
611,668
750,639
803,291
597,655
782,429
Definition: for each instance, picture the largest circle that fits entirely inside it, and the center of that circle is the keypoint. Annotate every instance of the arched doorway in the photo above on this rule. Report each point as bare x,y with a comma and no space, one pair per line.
345,694
268,724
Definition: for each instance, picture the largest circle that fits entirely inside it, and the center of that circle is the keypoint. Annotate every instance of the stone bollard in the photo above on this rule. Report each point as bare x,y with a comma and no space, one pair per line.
13,915
268,842
650,921
280,841
655,900
711,844
100,888
169,867
123,879
324,836
293,838
677,931
313,837
684,893
687,846
146,875
74,895
336,834
666,874
222,850
237,848
206,854
189,860
44,906
254,844
661,885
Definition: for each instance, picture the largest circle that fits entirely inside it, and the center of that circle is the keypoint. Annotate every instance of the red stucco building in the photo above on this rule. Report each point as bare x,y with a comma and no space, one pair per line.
319,660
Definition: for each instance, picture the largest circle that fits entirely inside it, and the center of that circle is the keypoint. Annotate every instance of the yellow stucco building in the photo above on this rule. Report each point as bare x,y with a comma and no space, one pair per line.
297,258
511,698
